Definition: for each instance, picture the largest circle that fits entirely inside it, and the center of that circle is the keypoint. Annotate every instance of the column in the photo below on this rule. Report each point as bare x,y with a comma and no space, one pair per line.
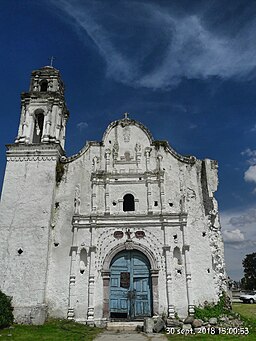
72,278
191,307
149,199
92,250
169,280
107,203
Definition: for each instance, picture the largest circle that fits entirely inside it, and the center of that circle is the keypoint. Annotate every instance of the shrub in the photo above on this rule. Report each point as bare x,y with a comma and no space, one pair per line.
6,315
214,310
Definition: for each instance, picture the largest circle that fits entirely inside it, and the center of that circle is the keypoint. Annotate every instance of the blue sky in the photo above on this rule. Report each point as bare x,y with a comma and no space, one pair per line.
186,69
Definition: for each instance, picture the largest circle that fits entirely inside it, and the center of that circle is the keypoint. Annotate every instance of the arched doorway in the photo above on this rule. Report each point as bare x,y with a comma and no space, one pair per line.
130,293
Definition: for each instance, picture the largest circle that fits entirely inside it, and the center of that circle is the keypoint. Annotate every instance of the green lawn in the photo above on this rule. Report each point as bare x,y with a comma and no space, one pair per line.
62,330
55,330
248,312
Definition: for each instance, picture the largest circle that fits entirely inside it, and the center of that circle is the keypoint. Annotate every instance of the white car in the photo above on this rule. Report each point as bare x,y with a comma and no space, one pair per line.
248,297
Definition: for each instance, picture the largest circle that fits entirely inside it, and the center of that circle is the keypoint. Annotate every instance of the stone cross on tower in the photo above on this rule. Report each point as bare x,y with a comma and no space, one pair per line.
51,59
126,115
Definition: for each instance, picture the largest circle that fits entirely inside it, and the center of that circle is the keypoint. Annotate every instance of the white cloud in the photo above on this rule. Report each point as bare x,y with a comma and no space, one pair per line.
250,174
82,125
233,236
245,218
191,49
251,154
239,234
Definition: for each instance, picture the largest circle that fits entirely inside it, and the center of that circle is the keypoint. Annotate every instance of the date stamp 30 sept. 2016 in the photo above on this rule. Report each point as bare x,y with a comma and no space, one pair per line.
209,330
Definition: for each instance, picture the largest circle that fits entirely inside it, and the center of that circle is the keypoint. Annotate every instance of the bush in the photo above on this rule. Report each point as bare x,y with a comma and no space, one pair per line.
6,315
209,310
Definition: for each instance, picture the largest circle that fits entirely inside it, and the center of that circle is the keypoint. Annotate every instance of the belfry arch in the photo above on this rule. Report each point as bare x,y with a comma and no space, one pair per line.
129,246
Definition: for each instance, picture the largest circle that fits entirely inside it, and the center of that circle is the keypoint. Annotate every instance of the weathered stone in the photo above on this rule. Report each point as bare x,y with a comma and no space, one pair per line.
196,323
159,324
173,323
148,325
186,326
213,321
189,319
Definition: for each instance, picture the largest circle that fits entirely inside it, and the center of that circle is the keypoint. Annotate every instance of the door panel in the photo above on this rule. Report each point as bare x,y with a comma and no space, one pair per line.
130,287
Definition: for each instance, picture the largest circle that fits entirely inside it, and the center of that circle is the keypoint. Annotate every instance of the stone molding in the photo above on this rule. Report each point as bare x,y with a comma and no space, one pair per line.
33,152
132,246
135,220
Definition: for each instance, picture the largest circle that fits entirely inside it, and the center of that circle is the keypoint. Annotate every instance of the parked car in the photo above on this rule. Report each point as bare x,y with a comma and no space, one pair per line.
248,297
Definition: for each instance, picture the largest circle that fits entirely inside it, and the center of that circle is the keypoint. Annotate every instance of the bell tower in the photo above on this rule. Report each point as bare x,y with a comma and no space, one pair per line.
28,197
43,109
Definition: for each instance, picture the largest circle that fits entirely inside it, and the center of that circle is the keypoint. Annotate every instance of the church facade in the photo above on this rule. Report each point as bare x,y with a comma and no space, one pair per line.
124,229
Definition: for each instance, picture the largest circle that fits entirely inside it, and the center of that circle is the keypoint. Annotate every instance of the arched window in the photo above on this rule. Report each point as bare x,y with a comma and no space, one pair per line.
43,86
128,203
38,127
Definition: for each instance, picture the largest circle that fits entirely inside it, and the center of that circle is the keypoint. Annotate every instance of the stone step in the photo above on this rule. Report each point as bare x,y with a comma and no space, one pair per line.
124,326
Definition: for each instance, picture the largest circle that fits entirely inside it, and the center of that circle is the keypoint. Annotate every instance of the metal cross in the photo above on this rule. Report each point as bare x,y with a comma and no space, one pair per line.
51,59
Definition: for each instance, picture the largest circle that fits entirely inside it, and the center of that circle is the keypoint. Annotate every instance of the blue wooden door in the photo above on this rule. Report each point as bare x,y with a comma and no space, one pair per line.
130,287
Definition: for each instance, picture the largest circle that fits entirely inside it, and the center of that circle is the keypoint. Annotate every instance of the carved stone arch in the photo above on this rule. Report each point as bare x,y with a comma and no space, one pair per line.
130,246
106,273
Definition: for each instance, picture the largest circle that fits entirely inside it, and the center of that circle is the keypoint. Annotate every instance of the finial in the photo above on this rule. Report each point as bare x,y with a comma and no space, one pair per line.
51,59
126,114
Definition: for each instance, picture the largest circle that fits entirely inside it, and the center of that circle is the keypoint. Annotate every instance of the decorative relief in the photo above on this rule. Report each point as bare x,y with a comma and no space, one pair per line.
118,234
77,200
106,242
115,150
126,133
139,234
31,158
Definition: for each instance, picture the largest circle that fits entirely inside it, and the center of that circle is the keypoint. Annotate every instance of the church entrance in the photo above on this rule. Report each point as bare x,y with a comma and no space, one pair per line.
130,286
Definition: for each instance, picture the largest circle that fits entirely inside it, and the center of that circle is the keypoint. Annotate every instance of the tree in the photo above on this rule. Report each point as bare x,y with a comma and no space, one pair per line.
249,280
6,316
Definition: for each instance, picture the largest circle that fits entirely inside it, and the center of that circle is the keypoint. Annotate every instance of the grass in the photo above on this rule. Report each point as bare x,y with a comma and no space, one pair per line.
248,313
54,330
63,330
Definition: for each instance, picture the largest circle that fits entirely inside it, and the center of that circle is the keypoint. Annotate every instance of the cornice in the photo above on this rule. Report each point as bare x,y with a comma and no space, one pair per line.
33,152
138,220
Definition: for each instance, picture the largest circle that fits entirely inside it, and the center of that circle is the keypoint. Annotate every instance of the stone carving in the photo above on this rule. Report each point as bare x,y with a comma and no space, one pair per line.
77,200
138,148
95,161
126,133
115,150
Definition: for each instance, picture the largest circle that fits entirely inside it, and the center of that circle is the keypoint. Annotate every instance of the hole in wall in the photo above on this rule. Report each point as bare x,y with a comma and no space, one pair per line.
109,141
179,271
204,234
20,251
140,178
175,237
155,203
81,271
56,244
170,204
114,203
57,204
208,270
